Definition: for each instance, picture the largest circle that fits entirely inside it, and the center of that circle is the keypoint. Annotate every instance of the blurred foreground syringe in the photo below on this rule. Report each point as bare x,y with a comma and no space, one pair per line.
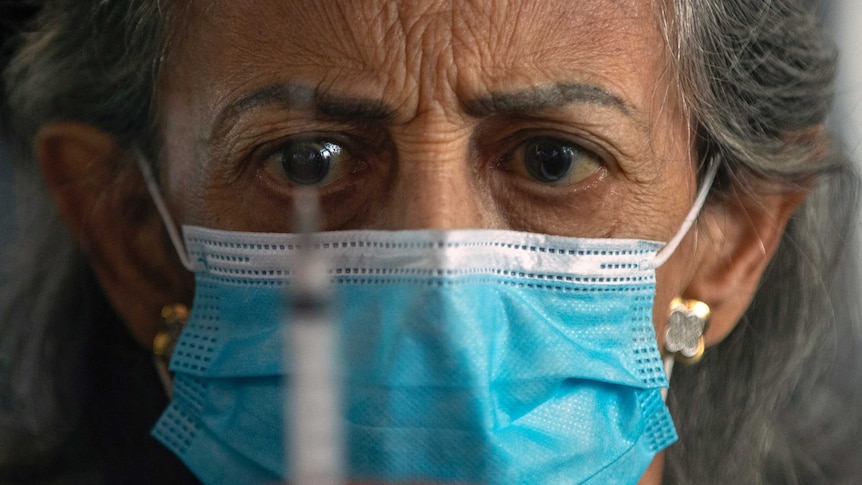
313,434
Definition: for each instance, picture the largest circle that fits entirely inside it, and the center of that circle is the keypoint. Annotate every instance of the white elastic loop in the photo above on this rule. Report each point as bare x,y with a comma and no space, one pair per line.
668,369
156,195
665,253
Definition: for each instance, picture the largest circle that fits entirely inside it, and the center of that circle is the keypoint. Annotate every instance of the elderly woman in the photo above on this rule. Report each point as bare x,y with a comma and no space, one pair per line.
522,180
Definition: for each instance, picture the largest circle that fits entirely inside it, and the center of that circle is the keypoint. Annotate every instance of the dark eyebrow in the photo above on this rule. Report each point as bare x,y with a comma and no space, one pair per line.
542,97
358,109
299,96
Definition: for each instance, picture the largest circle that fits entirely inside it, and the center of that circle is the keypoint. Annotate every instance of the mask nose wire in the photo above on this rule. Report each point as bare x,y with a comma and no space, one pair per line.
158,200
665,253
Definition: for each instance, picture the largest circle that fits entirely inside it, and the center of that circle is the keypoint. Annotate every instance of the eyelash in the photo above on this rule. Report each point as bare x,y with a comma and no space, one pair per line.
266,157
523,136
507,152
508,149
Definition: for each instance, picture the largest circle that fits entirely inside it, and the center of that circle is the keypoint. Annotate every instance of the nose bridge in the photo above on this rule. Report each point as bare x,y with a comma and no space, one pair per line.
436,186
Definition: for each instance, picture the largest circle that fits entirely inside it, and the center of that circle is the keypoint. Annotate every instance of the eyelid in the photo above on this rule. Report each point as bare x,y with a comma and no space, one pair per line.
513,161
272,147
272,125
519,138
601,138
263,158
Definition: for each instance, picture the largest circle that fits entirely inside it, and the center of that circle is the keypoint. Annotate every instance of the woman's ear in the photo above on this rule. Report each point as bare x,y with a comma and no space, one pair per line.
102,199
737,237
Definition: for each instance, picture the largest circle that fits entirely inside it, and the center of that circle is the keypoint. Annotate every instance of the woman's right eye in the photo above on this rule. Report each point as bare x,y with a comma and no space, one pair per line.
314,163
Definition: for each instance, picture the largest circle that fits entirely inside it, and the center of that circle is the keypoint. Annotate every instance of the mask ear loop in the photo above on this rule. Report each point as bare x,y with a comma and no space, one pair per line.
167,220
665,253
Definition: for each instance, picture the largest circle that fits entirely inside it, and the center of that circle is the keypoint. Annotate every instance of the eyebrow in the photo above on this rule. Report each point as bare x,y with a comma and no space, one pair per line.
354,108
543,97
299,96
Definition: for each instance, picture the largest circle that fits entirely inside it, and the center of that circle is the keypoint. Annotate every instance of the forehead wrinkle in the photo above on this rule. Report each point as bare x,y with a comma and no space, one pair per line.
464,36
533,29
627,29
351,31
427,27
551,37
293,96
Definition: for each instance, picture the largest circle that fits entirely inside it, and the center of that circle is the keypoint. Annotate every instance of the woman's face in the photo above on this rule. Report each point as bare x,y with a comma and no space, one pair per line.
553,117
548,117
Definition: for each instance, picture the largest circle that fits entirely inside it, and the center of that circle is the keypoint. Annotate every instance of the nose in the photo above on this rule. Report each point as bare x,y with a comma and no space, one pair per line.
436,184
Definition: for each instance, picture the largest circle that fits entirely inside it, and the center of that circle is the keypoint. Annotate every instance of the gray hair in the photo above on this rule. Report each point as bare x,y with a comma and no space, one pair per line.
755,76
89,61
762,406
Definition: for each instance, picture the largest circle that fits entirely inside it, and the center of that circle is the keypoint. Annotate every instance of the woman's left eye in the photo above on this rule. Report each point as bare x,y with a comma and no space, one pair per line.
309,162
552,161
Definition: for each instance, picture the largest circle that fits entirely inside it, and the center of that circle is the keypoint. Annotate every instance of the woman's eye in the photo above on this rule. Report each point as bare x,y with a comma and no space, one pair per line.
553,162
309,162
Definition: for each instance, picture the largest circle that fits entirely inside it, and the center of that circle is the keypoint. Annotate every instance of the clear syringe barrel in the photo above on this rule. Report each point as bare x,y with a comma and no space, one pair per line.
313,432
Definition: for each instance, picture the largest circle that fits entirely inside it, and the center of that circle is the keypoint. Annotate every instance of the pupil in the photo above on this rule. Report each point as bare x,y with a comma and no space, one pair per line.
548,161
307,163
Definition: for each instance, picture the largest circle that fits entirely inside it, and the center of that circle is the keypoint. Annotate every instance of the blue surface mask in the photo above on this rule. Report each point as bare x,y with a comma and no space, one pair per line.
465,357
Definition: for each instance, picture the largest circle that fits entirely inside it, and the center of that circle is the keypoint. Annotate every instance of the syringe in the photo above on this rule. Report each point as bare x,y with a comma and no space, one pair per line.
312,414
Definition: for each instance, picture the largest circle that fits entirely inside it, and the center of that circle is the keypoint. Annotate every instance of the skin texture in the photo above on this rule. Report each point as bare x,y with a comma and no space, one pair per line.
432,103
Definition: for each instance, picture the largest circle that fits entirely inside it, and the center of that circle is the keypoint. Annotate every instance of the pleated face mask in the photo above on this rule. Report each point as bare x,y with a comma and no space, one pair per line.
468,356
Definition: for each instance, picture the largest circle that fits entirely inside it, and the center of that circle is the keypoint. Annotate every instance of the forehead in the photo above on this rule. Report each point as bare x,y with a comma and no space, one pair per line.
434,87
415,53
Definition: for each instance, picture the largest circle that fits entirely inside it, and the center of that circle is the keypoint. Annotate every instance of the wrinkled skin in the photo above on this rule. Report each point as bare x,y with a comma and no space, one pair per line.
430,111
445,75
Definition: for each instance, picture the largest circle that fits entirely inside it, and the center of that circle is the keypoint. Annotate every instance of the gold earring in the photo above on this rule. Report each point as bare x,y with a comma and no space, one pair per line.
686,325
174,317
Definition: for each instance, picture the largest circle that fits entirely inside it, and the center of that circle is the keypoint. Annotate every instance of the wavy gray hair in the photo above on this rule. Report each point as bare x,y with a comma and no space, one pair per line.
767,404
755,76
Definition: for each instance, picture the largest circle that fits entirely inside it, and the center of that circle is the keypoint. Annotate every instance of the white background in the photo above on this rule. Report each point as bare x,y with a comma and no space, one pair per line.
845,18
